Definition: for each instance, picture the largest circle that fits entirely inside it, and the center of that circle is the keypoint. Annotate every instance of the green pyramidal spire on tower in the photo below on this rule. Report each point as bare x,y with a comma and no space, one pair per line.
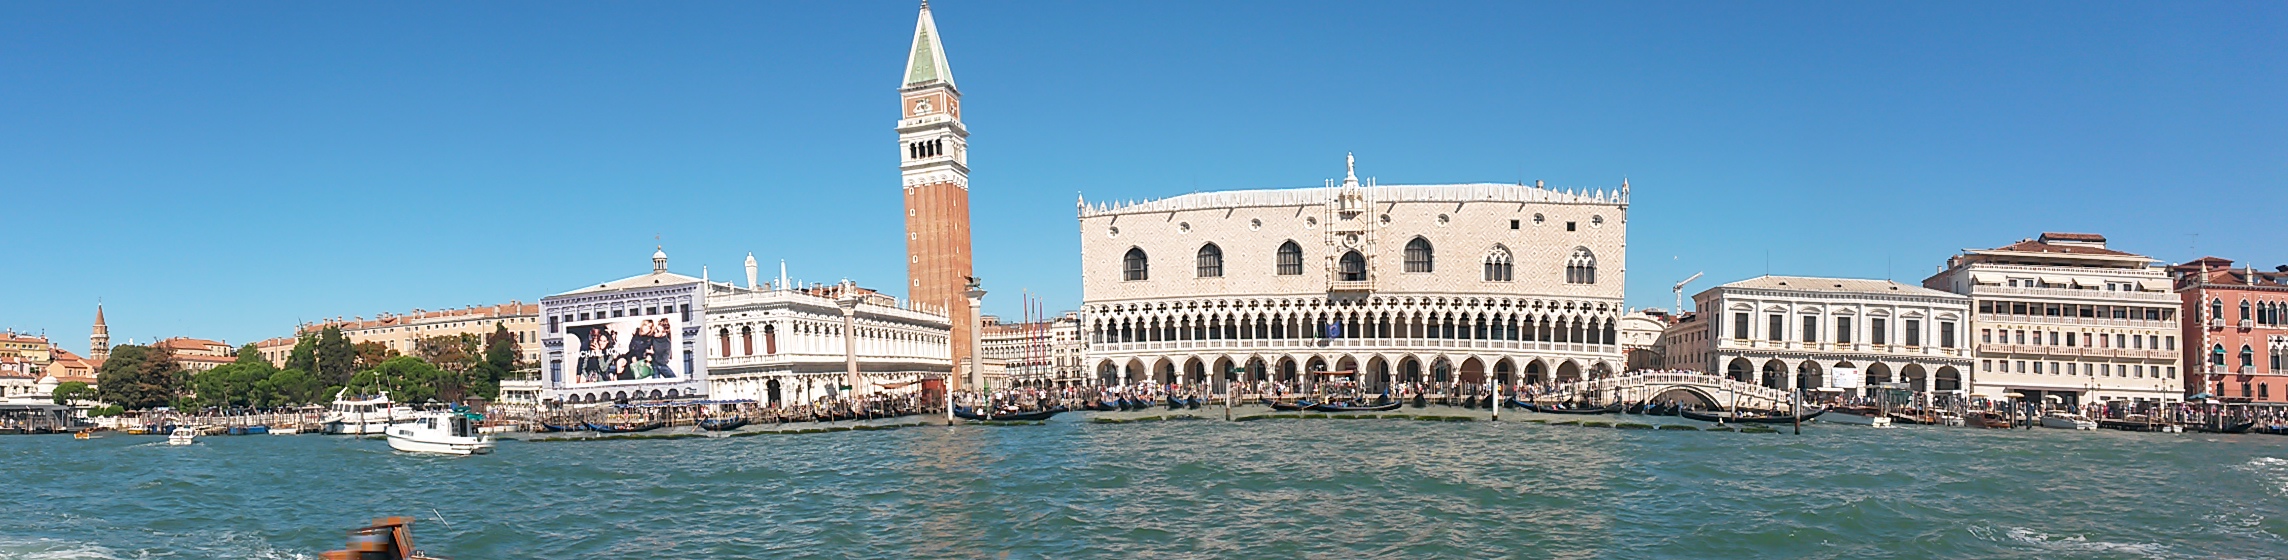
927,64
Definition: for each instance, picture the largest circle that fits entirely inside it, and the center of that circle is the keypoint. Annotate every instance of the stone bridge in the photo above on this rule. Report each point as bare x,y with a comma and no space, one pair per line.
1689,388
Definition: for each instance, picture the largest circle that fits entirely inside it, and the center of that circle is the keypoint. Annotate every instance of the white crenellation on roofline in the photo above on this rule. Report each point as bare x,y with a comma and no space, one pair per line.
1475,192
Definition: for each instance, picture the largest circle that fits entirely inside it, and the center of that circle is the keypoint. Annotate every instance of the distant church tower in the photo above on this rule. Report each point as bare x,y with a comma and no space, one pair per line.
935,167
99,342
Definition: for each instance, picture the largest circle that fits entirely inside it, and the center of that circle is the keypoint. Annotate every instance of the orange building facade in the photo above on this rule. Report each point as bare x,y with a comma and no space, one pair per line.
2236,321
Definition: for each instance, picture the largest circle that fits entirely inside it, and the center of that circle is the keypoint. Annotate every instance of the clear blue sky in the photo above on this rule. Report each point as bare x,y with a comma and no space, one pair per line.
223,170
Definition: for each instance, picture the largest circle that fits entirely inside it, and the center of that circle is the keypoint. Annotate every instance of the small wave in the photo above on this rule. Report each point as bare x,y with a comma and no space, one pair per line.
52,549
2078,543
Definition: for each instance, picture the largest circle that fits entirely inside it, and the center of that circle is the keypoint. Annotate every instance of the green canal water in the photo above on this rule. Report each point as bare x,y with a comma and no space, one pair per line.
1203,488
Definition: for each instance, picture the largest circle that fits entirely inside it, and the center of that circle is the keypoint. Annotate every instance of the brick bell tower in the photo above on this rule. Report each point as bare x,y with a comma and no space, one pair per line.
935,166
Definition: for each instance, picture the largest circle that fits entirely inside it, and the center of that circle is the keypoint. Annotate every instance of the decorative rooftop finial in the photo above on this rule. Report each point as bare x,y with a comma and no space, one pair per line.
658,259
1350,168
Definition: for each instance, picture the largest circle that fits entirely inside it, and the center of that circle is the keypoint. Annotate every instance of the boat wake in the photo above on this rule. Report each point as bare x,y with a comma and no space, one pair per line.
2271,469
2070,545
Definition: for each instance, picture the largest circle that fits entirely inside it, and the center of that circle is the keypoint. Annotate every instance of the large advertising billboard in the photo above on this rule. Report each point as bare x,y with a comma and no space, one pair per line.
624,350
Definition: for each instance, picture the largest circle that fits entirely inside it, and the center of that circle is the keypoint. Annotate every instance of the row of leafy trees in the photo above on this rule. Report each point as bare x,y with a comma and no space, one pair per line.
445,368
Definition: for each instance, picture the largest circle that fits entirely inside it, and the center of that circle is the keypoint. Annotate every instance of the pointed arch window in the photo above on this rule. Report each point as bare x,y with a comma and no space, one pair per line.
2216,309
2247,356
1290,259
1498,265
1352,267
2244,310
1581,268
1133,266
1418,255
1210,261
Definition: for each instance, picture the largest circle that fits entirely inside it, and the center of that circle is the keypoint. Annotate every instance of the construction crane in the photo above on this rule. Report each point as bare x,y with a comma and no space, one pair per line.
1679,289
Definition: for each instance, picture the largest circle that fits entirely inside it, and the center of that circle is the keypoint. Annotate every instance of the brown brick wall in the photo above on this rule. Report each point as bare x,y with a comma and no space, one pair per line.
938,257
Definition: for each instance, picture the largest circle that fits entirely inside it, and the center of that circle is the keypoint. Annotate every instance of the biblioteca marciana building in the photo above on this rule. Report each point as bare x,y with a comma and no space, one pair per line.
1416,283
1792,332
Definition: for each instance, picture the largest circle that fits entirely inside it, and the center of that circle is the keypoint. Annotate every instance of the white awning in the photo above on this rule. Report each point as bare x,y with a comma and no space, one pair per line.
1986,278
2156,284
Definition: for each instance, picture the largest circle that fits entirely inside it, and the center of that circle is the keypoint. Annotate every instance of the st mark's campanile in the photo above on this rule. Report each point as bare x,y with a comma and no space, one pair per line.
935,167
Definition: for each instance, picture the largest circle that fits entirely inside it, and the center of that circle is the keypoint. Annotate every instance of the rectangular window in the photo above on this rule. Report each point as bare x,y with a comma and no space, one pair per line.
583,315
1914,332
2037,368
1986,336
2021,335
1778,326
1513,224
1875,332
1810,328
1740,326
2021,366
552,323
555,371
1946,334
2053,338
1843,330
616,313
1986,366
2017,309
687,319
1985,307
2172,341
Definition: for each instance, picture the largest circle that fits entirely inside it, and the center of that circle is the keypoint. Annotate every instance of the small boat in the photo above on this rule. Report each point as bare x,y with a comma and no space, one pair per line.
1774,418
2233,428
1175,403
356,415
439,431
632,427
1857,415
722,424
286,429
1104,406
84,433
1565,409
1337,407
550,428
967,413
2068,421
1987,420
1421,400
1283,407
1471,403
389,538
1192,403
182,436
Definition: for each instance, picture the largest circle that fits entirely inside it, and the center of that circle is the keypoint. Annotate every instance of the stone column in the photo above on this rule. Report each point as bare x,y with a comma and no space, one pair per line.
849,304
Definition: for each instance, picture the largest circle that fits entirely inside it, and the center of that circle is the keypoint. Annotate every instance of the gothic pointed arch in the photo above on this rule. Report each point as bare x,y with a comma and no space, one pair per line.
1209,262
1498,265
1290,259
1135,266
1581,267
1419,255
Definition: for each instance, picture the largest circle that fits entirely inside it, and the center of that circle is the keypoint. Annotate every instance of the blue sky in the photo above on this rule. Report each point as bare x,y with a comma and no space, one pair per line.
224,170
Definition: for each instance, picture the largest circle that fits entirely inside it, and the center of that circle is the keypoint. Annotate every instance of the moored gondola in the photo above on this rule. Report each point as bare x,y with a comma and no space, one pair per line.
1192,403
1101,405
722,424
1336,407
1750,419
1566,409
549,428
1421,400
1287,407
624,428
967,413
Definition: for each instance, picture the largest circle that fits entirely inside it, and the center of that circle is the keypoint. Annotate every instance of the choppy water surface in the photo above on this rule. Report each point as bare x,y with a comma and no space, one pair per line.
1262,489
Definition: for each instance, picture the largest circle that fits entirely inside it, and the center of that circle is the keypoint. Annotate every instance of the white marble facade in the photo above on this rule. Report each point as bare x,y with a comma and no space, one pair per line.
1790,332
1427,283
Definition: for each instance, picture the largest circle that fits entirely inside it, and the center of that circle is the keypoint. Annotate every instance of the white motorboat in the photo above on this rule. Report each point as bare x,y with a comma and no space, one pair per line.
437,431
182,436
363,415
2068,421
1859,415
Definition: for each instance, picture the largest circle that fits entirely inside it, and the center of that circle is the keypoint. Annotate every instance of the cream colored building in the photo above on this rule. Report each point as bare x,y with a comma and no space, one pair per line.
198,354
2064,316
1793,332
399,331
787,346
1416,283
1045,353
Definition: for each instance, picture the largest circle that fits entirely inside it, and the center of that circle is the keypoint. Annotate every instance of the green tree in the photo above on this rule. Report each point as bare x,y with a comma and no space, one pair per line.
407,379
73,391
448,352
336,360
304,356
500,359
293,387
140,377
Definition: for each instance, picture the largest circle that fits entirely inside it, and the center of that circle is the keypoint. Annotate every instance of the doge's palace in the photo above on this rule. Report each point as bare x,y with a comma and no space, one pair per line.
1429,284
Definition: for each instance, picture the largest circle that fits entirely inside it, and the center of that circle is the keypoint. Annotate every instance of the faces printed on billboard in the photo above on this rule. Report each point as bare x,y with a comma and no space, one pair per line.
623,350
